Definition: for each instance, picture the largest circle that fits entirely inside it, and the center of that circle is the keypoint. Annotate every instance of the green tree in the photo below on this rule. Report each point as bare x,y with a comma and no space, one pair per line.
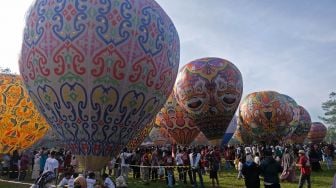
330,116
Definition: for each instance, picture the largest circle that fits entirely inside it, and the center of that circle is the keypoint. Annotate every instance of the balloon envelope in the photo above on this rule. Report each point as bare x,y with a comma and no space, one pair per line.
267,116
302,129
99,70
200,140
160,136
209,89
317,132
21,124
230,131
177,121
140,136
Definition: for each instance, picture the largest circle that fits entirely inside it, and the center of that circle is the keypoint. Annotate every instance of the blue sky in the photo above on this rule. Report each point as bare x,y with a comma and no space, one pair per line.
287,46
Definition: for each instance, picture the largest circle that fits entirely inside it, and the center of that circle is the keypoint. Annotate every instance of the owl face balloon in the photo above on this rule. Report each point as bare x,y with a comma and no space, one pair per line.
177,121
267,116
302,129
99,70
209,89
21,124
317,132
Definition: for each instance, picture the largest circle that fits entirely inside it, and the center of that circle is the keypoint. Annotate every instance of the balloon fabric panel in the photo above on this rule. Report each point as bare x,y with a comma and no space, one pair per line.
317,132
177,121
21,123
99,70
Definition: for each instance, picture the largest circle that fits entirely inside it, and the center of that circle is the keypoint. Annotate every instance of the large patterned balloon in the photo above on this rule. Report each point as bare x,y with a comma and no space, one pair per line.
267,116
99,71
200,140
160,136
140,136
21,125
49,140
210,90
317,132
302,129
230,131
177,121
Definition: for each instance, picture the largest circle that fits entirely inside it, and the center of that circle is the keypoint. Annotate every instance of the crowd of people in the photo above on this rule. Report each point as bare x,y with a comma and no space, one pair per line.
188,164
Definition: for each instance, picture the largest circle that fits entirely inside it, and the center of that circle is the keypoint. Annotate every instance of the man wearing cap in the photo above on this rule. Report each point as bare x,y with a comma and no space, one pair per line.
304,166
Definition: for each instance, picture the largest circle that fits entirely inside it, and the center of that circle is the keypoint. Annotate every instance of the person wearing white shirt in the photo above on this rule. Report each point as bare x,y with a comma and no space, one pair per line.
195,158
51,164
90,180
66,181
108,183
124,166
257,159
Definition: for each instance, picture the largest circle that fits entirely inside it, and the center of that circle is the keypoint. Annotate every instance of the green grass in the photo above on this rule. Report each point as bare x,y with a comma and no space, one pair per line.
227,180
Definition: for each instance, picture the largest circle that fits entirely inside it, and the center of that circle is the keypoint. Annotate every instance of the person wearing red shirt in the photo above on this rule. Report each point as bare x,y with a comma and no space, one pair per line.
304,166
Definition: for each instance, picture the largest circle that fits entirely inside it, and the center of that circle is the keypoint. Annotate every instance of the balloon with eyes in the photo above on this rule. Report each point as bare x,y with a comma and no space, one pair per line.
209,89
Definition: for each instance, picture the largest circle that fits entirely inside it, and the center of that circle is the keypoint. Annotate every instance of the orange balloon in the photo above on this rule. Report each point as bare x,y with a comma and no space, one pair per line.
21,124
177,121
140,136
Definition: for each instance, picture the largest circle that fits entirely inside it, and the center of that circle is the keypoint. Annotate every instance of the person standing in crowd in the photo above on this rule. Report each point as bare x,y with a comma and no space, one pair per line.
169,162
179,163
315,156
65,180
146,165
43,159
5,164
74,163
108,183
155,165
136,161
91,180
23,166
195,158
13,165
36,166
187,167
270,170
213,167
287,163
125,160
251,172
304,165
240,168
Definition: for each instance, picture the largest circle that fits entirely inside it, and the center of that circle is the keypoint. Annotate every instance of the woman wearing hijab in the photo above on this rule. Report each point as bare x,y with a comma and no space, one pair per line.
287,163
251,172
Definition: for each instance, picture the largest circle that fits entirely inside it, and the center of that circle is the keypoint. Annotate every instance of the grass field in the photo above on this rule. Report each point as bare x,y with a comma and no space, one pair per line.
227,180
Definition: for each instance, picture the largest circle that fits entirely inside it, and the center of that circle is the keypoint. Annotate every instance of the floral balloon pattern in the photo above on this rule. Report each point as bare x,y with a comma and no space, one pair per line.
267,116
302,129
21,123
177,121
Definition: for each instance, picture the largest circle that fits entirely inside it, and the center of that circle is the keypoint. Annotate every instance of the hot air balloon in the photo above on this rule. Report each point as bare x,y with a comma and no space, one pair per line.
301,131
230,131
99,71
317,132
209,89
21,124
200,140
160,136
267,116
140,137
177,121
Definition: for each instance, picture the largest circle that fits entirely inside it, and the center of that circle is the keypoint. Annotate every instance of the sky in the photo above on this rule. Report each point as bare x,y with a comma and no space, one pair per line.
288,46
